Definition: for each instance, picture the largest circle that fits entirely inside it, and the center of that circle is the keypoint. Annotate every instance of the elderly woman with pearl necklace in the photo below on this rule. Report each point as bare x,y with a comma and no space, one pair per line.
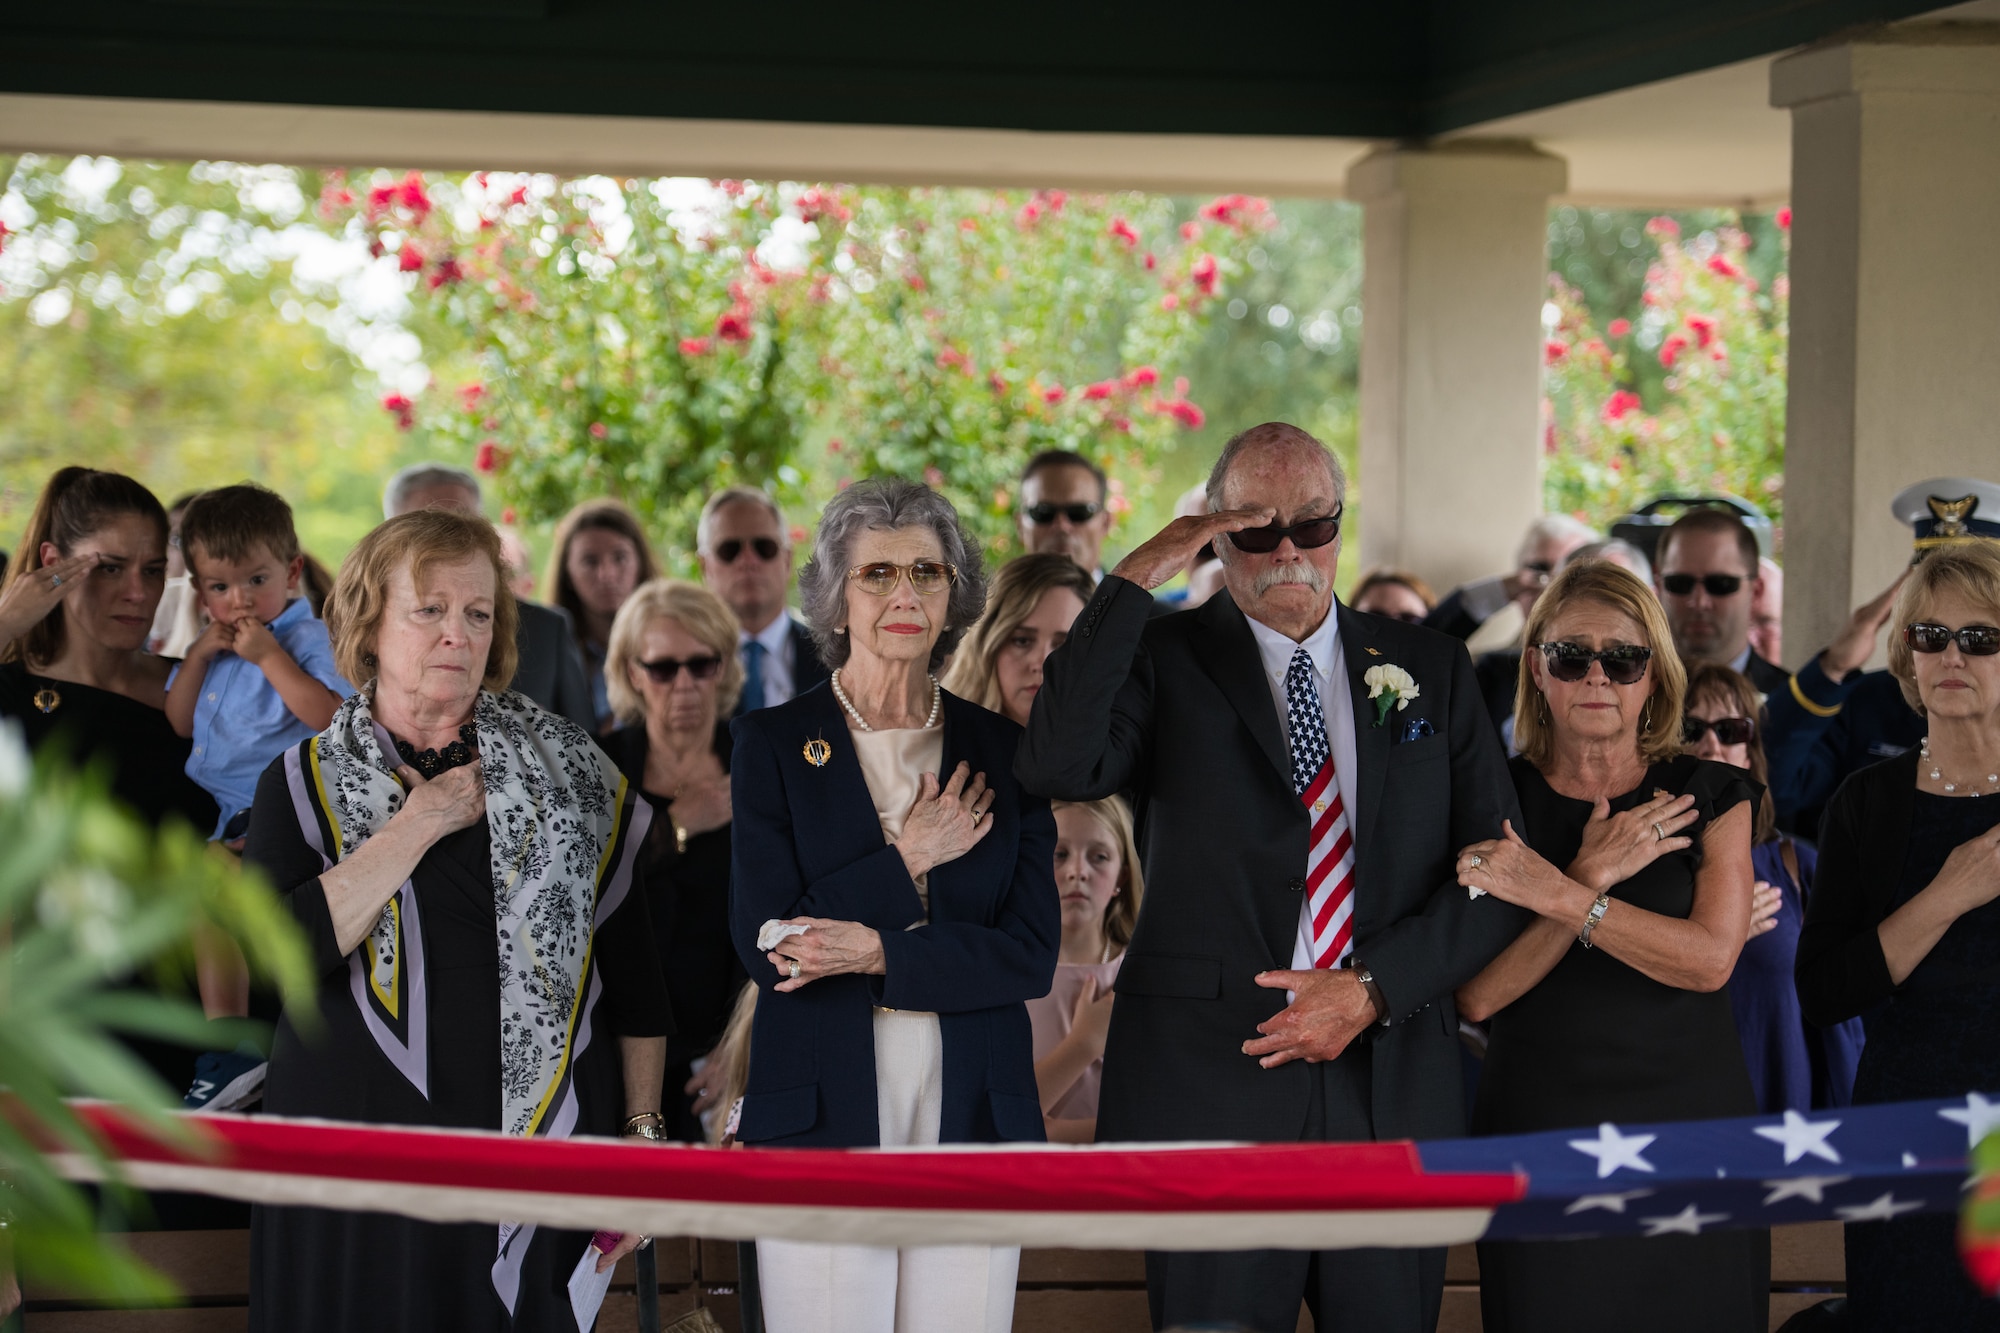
894,898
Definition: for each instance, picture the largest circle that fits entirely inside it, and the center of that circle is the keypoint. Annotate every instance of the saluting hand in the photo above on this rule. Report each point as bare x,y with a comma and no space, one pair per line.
1168,552
1855,644
29,598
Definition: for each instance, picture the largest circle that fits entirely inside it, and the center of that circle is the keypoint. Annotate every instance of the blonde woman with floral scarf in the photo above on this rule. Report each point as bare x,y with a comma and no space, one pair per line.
444,833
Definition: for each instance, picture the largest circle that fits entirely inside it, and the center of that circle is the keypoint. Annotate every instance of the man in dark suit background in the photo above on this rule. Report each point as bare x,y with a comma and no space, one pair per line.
549,666
745,551
1709,576
1292,972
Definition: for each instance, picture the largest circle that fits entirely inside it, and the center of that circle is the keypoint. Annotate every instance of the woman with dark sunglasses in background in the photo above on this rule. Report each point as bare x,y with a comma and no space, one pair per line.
1395,593
1635,859
673,675
1794,1064
1903,928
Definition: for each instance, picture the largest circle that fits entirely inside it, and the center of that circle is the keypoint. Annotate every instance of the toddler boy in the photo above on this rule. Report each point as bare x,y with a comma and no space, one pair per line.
260,678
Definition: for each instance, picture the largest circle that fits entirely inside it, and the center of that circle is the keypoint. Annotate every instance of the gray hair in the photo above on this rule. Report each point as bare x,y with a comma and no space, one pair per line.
1271,432
1618,551
884,504
730,495
1556,527
417,476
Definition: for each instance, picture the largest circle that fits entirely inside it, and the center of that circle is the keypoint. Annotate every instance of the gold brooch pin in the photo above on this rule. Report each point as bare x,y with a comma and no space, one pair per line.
1374,652
47,700
818,752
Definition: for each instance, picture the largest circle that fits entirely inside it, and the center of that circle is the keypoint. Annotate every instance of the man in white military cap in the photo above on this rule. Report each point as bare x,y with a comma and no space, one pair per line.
1835,718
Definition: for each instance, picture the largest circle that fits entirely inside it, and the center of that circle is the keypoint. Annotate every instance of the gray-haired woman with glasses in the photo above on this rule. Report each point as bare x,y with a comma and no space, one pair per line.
893,895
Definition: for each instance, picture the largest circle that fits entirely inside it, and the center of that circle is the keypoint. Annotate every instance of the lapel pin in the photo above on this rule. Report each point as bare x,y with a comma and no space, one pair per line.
1373,652
818,752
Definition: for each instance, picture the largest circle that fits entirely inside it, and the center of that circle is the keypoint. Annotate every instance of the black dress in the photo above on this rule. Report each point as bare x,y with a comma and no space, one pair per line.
688,896
1598,1040
1937,1037
147,761
317,1271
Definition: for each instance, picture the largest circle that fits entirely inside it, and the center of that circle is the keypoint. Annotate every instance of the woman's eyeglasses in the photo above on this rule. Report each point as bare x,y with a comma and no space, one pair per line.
1728,730
926,577
1973,640
1044,513
663,670
1308,535
1715,585
1624,664
766,548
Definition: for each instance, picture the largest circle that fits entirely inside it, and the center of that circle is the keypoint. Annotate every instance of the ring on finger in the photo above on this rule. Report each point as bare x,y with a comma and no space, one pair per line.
55,580
1659,834
1476,861
795,969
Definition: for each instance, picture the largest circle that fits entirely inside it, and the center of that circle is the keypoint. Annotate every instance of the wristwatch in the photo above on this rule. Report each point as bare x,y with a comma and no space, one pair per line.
1367,980
1590,921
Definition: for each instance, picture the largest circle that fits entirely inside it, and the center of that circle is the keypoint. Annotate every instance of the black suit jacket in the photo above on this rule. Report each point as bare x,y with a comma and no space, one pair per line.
1767,677
807,842
550,669
1178,710
807,669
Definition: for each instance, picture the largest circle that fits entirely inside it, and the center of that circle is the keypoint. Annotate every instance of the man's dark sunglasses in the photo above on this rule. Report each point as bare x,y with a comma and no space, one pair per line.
1973,640
727,551
1715,585
1044,513
1624,664
664,670
1309,535
1728,730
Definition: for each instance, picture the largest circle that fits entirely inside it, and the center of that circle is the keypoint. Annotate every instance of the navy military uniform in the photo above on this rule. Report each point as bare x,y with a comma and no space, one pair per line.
1818,730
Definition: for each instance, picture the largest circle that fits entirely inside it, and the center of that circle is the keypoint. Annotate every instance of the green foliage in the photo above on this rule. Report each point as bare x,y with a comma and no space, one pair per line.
150,322
1686,395
650,341
89,899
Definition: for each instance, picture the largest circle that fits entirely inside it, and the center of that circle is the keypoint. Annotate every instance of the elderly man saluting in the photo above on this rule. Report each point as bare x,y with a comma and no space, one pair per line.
1311,773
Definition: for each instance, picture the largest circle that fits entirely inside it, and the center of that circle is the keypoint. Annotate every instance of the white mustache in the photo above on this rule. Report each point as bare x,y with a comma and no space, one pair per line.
1299,573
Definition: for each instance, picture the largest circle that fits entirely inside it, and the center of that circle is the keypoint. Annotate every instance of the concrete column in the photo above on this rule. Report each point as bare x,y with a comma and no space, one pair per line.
1455,242
1895,318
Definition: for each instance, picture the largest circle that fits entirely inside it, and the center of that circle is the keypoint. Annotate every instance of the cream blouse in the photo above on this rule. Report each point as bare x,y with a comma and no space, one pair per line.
893,764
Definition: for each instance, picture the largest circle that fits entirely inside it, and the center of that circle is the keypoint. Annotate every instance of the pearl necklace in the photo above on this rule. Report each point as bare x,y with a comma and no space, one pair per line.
1924,750
937,704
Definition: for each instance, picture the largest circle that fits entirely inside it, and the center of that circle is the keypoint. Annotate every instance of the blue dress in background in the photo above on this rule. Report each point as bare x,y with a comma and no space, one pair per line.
1793,1064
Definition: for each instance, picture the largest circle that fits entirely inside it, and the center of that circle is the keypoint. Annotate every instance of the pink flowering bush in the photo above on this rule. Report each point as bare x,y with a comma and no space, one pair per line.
620,339
1719,420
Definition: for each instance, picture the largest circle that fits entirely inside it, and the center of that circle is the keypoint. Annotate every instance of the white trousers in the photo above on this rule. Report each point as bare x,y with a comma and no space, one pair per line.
812,1288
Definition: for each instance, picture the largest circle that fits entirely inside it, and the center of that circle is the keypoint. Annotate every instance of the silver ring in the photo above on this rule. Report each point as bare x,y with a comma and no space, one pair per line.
55,580
1659,834
795,969
1476,862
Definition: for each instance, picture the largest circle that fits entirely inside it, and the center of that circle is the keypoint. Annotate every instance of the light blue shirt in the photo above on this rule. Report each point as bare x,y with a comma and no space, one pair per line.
241,722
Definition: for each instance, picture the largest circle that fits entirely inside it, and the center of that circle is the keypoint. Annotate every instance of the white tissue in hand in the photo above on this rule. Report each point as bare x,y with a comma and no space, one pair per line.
776,932
1472,893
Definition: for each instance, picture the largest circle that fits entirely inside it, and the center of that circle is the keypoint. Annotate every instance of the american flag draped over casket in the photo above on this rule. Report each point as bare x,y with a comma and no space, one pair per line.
1852,1164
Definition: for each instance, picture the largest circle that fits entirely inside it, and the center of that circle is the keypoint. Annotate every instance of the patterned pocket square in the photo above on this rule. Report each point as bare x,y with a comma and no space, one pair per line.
1417,728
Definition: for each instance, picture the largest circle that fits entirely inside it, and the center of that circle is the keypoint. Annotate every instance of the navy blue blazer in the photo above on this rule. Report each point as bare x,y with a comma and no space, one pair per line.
807,842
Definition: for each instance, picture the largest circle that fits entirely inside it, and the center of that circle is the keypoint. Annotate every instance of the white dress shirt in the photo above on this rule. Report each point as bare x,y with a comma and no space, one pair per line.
778,665
1330,677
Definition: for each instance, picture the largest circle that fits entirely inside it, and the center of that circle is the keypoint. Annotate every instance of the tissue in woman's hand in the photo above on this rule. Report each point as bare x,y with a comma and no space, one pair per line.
775,933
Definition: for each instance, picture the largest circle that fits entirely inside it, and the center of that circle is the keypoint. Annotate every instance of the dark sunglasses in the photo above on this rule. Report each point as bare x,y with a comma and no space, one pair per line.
1715,585
1407,617
1728,730
665,669
1044,513
765,547
1624,664
1310,535
1973,640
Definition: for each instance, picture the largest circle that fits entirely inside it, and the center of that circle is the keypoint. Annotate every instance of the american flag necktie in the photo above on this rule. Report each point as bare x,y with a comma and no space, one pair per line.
1330,857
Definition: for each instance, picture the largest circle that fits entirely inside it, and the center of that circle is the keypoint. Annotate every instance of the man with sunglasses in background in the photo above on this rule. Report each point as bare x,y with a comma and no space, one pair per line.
745,551
1709,579
1064,508
1292,973
1833,718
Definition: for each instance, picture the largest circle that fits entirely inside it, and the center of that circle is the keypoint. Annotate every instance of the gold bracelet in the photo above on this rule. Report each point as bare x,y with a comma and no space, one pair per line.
646,1125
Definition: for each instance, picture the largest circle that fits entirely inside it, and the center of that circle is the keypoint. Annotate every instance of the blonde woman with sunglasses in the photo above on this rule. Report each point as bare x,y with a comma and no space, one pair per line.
894,899
1611,1008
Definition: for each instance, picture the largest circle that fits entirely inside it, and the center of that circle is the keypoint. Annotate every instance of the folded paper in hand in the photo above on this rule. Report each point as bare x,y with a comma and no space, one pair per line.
775,933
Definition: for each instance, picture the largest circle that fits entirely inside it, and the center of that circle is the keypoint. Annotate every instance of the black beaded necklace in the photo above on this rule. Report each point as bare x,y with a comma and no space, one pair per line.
430,763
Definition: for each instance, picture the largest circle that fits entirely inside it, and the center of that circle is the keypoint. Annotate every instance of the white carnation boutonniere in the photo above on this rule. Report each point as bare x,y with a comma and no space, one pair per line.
1391,688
